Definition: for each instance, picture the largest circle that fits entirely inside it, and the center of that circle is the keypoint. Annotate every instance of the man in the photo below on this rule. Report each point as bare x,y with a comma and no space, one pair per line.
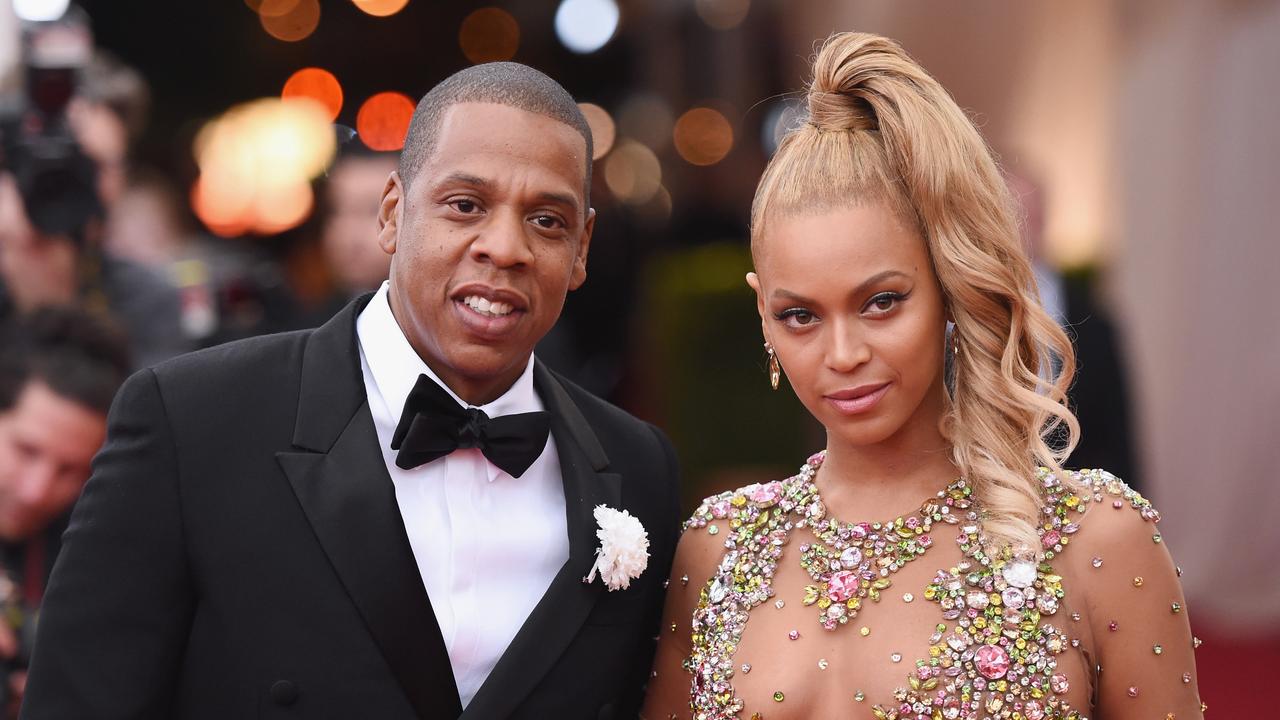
44,260
59,369
282,527
1099,396
351,200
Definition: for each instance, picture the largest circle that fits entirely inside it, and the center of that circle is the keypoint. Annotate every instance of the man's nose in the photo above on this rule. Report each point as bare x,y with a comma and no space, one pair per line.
503,242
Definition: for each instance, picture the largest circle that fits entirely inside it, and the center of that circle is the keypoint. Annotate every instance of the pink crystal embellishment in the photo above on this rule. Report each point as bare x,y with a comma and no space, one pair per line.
992,661
767,494
842,586
1051,538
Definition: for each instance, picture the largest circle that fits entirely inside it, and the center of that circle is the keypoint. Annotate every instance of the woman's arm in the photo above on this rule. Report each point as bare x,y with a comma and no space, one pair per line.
696,559
1137,615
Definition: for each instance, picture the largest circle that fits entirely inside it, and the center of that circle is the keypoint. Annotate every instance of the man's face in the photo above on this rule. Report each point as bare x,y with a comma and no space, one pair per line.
46,445
487,242
355,187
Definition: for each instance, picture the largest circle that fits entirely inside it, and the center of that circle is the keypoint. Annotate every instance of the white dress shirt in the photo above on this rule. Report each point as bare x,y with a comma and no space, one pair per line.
487,544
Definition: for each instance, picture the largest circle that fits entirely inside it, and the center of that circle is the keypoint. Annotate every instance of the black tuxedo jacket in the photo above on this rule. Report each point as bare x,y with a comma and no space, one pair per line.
1100,395
238,553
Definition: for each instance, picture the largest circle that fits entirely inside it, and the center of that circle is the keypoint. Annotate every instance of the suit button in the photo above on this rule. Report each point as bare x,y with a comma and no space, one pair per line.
606,712
284,692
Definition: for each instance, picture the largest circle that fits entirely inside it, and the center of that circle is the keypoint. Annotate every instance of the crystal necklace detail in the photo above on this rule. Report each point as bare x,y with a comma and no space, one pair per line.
852,562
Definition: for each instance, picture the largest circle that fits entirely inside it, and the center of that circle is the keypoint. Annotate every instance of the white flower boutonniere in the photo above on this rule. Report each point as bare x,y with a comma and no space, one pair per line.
624,548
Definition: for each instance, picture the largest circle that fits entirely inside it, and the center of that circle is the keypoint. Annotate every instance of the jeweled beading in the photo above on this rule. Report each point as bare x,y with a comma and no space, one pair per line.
997,658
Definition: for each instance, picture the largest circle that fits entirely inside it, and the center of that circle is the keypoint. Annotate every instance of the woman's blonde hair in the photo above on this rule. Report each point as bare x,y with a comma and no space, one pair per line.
881,129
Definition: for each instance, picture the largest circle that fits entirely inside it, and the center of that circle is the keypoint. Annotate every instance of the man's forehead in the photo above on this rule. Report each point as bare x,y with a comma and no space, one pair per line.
469,144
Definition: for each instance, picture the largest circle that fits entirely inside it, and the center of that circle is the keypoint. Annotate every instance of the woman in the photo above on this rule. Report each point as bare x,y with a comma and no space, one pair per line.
935,561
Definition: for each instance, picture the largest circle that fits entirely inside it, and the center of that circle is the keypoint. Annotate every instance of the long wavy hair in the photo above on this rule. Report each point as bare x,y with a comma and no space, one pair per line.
881,129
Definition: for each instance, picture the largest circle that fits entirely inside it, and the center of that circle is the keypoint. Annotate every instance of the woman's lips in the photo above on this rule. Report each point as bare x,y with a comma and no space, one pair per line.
857,400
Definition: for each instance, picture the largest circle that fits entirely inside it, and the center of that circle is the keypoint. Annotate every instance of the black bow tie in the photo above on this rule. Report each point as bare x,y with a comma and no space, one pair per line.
433,425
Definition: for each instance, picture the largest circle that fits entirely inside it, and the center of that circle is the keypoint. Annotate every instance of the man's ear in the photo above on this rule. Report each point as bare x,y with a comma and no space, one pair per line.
390,213
579,272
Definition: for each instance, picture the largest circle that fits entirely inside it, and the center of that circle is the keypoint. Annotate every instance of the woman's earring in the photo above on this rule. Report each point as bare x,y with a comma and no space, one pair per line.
955,342
775,370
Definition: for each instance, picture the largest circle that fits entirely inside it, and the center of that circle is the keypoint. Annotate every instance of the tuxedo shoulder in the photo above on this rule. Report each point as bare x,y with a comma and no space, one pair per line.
237,358
237,367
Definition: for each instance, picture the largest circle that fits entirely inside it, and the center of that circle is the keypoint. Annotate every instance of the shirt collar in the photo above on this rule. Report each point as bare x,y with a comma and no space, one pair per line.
395,365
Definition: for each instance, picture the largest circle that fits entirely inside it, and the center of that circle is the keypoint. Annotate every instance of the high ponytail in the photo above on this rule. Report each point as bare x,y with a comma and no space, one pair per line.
881,129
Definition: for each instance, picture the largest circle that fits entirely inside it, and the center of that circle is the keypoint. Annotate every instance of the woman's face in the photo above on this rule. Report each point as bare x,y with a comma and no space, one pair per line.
850,302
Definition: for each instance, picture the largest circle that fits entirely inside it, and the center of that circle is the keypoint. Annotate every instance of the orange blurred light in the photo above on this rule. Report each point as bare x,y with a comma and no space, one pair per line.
281,208
722,14
316,84
220,211
271,8
292,25
380,8
256,164
489,35
603,130
633,173
703,136
383,121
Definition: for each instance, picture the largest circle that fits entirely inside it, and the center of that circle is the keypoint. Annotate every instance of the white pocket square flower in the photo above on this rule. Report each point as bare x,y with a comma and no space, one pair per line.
624,548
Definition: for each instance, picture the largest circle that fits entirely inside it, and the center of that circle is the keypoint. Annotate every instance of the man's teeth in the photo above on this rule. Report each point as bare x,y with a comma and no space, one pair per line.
484,307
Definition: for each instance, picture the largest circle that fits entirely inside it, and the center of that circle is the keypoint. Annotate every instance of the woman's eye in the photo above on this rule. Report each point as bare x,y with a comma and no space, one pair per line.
796,317
884,302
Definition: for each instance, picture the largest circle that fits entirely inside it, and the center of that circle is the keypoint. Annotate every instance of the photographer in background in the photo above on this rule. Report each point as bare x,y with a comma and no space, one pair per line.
60,265
59,370
52,202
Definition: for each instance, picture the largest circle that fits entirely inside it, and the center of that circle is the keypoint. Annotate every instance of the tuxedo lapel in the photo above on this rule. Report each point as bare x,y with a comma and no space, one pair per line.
342,485
559,615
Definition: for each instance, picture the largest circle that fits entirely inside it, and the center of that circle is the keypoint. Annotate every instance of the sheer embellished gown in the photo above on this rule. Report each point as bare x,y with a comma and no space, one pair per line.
777,610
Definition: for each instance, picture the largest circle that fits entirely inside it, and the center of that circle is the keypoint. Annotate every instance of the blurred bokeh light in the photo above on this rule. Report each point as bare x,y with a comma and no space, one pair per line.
647,118
316,84
383,121
489,35
722,14
380,8
585,26
272,8
782,116
256,164
603,129
40,10
703,136
632,172
289,20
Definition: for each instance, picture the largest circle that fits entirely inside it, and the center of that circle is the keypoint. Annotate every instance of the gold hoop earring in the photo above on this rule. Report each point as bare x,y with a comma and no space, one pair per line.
775,370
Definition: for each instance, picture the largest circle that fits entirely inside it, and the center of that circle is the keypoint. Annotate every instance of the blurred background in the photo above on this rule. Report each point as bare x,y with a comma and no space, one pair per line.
220,163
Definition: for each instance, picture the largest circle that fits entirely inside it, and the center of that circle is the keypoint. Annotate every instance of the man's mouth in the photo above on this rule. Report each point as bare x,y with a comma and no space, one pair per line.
484,307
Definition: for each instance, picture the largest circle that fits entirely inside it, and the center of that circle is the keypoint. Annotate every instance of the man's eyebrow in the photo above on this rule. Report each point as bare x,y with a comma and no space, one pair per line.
476,181
466,179
560,199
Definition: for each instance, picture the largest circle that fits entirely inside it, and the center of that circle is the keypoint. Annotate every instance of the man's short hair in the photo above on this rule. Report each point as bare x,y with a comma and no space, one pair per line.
78,355
505,83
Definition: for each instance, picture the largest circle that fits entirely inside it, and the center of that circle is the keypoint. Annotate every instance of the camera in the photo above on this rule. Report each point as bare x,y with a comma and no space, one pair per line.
57,181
